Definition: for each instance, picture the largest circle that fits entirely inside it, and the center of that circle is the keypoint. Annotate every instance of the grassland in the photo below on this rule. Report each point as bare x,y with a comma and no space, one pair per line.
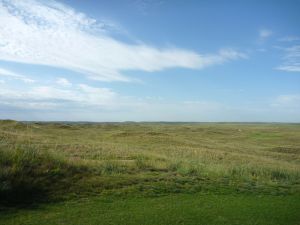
149,173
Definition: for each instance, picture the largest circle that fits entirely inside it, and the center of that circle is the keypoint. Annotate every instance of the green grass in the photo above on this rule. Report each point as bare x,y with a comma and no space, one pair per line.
51,165
172,209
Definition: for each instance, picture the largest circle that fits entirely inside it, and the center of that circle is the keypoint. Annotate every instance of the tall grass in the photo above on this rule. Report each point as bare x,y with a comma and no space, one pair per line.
29,174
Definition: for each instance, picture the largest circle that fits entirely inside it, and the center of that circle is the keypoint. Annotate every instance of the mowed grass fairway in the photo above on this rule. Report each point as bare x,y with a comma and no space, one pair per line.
149,173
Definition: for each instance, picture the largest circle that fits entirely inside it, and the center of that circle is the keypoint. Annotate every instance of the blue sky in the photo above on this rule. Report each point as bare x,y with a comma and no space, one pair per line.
150,60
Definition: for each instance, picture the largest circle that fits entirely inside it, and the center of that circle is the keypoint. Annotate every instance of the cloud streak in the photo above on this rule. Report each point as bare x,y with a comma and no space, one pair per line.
80,96
265,33
63,82
84,102
291,60
53,34
289,39
15,76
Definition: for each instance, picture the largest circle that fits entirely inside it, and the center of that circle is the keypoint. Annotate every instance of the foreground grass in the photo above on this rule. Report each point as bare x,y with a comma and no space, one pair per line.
171,170
172,209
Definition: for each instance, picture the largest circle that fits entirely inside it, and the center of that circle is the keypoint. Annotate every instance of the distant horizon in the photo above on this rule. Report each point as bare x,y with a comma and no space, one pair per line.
72,121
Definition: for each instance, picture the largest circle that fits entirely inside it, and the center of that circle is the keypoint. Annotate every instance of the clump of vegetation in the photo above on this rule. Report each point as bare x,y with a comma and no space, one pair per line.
28,175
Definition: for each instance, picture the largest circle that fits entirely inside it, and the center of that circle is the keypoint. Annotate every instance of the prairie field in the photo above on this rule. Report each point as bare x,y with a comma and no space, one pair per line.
149,112
149,173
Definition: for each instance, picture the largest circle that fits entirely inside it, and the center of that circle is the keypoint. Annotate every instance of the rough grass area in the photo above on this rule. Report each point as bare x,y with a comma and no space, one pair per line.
50,162
28,175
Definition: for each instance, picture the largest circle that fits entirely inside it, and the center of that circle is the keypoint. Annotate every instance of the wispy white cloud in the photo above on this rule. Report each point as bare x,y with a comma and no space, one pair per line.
16,76
84,102
291,59
289,38
50,33
265,33
63,82
222,56
288,99
80,96
290,102
290,68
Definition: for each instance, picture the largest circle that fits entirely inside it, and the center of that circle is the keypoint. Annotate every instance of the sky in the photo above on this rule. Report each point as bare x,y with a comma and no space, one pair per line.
150,60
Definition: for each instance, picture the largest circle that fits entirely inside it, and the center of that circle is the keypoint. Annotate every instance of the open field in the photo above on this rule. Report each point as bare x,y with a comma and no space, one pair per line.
149,173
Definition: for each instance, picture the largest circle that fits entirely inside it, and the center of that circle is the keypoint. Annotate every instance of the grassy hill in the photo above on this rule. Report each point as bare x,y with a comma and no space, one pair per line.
131,170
